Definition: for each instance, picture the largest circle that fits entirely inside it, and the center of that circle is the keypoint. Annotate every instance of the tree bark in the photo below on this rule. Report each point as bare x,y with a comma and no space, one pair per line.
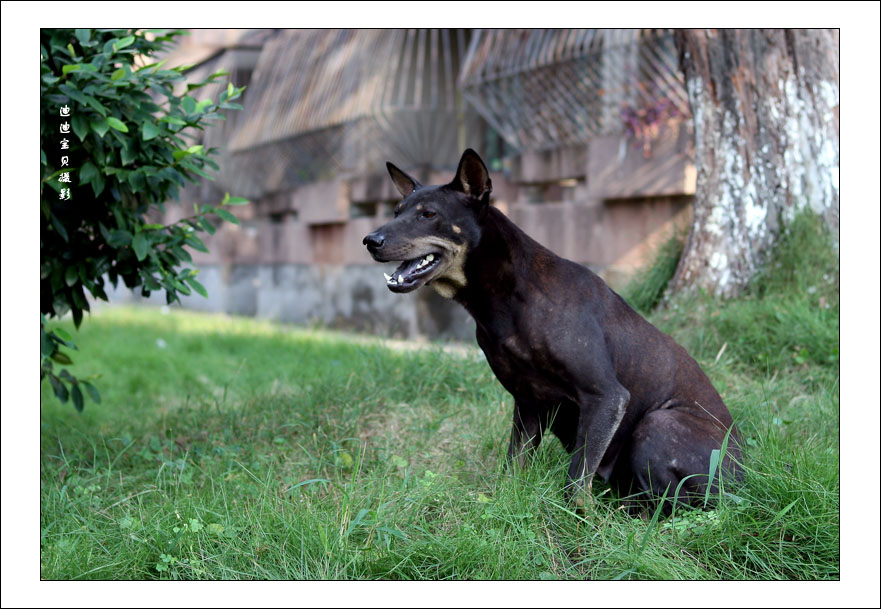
766,125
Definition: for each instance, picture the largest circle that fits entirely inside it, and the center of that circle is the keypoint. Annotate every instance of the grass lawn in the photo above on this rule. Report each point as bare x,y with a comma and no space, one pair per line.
229,448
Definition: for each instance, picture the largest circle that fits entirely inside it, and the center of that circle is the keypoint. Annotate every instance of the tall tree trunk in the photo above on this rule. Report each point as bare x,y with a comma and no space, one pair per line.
765,107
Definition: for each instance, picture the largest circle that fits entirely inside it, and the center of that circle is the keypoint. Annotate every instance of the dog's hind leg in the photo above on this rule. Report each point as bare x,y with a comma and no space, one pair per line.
673,446
526,433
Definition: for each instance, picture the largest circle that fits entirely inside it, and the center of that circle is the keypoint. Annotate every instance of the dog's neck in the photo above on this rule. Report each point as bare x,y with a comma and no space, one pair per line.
491,280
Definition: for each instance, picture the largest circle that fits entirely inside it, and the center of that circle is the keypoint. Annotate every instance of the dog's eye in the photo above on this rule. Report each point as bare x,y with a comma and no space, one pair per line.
428,214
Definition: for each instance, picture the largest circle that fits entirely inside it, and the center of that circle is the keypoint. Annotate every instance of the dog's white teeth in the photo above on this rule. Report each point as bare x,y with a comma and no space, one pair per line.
425,261
400,279
387,276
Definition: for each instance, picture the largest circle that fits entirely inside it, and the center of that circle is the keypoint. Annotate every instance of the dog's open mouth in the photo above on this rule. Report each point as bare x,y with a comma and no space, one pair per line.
411,274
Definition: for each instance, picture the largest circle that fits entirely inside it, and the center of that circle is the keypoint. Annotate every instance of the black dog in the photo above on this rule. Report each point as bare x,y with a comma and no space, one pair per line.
627,401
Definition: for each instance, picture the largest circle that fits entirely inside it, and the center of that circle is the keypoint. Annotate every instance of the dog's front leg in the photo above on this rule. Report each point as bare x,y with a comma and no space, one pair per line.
600,414
526,433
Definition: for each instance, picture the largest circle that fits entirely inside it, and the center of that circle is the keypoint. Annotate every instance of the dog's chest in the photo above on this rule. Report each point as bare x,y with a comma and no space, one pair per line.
524,369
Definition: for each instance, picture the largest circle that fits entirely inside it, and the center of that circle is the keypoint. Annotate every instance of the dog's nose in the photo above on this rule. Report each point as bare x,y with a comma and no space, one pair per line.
374,240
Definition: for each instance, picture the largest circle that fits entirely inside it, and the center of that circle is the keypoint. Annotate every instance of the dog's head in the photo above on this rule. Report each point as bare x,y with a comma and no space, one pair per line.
433,229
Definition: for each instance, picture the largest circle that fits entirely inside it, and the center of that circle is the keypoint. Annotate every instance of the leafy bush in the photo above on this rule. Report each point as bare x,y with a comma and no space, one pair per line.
116,143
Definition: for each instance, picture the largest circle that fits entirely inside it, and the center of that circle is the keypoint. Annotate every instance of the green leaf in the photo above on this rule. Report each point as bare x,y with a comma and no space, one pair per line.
195,149
117,124
207,226
57,225
181,253
197,286
237,201
62,334
188,104
80,126
124,42
62,358
140,244
73,93
197,243
96,397
70,68
119,238
200,107
100,126
149,130
97,184
59,388
127,154
181,287
87,172
47,345
77,396
71,276
83,36
98,106
117,74
196,170
77,313
226,216
136,179
159,65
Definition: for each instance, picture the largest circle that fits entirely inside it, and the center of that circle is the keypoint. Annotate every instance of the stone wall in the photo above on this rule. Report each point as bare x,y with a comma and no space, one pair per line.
297,255
351,297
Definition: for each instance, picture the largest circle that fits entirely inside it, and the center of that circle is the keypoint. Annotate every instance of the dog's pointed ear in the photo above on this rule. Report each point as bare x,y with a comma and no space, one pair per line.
404,183
472,177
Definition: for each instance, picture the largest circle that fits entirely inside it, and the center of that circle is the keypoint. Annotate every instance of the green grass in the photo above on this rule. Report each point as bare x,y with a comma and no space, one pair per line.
241,449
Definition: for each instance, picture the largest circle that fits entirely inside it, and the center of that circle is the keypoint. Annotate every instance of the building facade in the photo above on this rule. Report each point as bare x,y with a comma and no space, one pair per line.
586,133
